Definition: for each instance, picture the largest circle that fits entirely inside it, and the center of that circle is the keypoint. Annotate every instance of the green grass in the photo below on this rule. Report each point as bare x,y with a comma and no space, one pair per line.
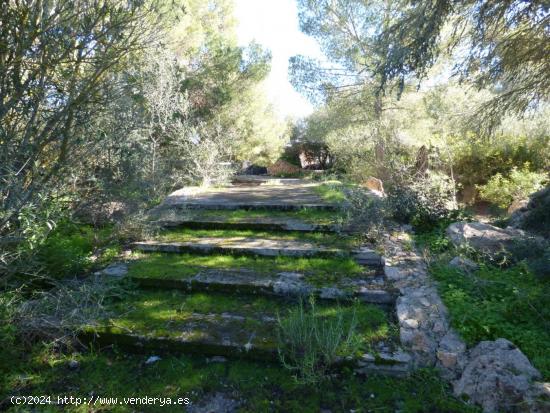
331,191
320,239
496,302
69,247
164,313
259,387
319,271
509,302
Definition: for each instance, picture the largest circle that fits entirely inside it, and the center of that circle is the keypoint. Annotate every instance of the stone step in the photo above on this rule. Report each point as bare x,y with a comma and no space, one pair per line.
286,196
370,289
264,224
261,247
395,363
176,322
252,206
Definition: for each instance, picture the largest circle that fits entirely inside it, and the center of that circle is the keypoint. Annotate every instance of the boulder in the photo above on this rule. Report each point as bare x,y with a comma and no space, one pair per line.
497,376
375,185
282,167
517,204
483,237
535,216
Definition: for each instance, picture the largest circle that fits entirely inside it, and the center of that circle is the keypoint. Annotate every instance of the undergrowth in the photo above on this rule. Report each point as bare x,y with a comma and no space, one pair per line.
495,301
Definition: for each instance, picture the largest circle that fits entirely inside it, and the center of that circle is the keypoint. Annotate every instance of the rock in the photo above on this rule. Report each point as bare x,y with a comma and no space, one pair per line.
535,216
375,185
410,323
464,264
332,293
483,237
216,359
117,269
291,283
282,167
393,273
497,376
215,403
517,204
74,364
538,398
451,350
152,359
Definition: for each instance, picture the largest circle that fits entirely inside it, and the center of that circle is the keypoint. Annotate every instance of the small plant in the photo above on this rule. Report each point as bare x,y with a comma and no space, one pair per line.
310,343
364,212
519,183
59,313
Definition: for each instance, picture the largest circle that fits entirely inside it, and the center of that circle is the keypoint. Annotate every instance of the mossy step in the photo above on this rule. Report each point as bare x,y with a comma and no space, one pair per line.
370,289
260,247
254,206
290,196
255,224
224,325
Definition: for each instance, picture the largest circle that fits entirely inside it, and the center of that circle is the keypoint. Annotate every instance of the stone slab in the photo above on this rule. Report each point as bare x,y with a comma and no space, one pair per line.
371,290
256,224
289,196
261,247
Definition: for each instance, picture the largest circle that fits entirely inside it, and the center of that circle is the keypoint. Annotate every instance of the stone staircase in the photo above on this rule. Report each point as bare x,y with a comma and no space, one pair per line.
226,309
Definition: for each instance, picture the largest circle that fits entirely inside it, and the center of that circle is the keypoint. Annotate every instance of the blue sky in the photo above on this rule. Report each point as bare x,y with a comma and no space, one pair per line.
274,24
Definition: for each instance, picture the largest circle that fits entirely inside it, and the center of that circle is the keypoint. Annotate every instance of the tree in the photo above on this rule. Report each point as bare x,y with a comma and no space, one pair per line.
56,60
501,45
347,31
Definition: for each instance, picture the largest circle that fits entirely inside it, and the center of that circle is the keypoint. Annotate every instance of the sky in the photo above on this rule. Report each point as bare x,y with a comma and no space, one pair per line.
274,25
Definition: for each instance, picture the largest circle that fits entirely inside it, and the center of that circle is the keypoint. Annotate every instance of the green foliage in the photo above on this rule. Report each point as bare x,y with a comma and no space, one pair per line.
364,213
435,239
117,373
331,191
496,302
156,265
518,185
68,249
506,47
423,201
477,158
317,238
309,343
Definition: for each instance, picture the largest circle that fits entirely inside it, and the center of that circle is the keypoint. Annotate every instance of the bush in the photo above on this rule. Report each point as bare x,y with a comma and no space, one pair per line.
364,212
68,249
60,313
423,201
309,344
519,184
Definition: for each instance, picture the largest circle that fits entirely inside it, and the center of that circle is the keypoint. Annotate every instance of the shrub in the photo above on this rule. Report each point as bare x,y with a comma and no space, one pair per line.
423,201
519,184
68,249
60,313
364,212
309,343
